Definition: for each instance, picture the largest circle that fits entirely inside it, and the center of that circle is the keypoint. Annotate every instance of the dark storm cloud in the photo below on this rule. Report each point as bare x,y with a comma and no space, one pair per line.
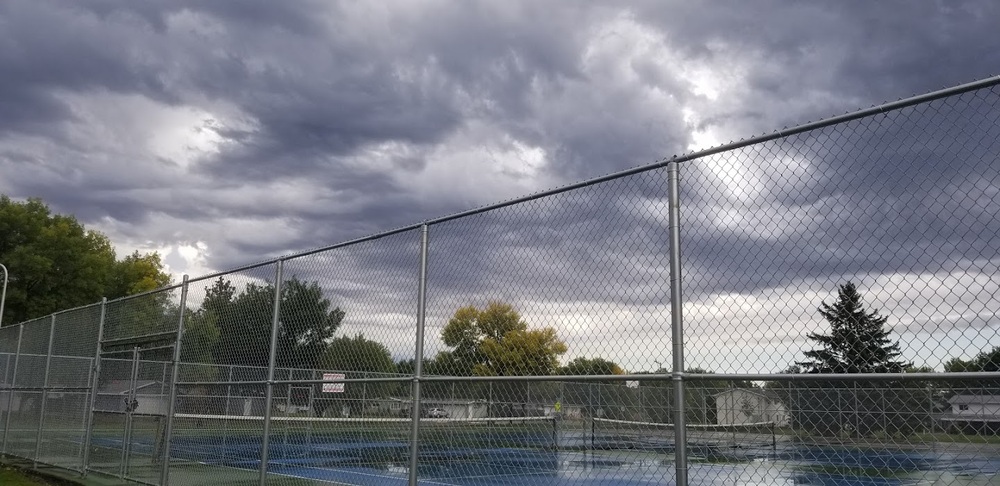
336,120
838,56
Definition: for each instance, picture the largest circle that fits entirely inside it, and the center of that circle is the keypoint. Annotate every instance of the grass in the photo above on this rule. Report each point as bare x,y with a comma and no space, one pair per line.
12,477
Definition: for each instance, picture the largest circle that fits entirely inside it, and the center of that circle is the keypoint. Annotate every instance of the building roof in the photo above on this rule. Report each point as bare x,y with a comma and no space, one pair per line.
765,394
441,401
974,399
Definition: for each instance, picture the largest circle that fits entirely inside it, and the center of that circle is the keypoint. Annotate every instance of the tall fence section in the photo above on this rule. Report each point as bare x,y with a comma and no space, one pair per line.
814,306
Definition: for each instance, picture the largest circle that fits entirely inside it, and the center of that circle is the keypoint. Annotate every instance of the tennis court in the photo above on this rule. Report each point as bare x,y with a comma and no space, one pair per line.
540,450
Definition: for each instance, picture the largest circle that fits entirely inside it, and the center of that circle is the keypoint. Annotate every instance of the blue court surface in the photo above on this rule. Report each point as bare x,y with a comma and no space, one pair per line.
385,463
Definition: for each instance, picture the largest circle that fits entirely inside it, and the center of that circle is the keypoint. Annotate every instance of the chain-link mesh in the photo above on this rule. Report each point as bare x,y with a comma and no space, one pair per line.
569,284
862,247
67,401
346,313
835,279
29,379
9,341
224,356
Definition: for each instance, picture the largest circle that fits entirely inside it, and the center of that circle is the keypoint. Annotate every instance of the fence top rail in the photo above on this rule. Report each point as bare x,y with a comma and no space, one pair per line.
167,288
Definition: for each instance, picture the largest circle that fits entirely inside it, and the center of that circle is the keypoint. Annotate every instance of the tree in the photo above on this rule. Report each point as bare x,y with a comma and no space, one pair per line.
987,360
657,397
306,322
495,341
356,357
858,342
523,352
984,361
610,398
56,263
135,274
591,366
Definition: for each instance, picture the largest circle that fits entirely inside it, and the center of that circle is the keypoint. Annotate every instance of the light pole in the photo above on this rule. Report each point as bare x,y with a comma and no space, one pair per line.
3,296
659,365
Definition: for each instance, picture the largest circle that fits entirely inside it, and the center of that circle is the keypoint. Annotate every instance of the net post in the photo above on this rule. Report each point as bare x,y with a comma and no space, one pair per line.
272,360
288,406
591,413
175,365
418,359
95,373
311,409
677,324
13,383
227,408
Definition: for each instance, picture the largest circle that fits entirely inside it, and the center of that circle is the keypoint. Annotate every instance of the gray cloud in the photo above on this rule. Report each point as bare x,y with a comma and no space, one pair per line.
261,128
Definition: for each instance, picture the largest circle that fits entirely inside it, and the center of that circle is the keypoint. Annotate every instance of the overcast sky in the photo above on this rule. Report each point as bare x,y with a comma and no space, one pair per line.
223,133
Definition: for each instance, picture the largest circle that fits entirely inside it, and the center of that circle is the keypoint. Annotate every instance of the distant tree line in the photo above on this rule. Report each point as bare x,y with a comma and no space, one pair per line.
56,263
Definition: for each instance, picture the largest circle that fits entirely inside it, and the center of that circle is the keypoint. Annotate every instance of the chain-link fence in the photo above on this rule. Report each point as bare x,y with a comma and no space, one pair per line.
832,319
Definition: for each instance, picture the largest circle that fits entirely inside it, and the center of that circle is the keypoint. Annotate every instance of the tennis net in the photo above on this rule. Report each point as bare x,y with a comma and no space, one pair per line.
627,434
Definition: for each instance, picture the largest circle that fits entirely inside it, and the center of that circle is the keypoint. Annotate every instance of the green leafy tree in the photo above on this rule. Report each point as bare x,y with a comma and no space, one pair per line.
201,334
135,274
56,263
610,399
591,366
531,352
657,397
984,361
987,360
307,320
356,357
496,341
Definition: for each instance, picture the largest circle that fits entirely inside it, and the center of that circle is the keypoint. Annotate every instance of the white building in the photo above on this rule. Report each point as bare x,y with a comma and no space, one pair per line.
749,406
456,409
974,413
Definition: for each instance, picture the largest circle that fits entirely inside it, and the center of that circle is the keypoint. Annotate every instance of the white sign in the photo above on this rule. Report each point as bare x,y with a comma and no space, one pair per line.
333,387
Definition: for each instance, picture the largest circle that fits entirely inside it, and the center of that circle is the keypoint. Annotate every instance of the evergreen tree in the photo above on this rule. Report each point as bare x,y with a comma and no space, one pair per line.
858,342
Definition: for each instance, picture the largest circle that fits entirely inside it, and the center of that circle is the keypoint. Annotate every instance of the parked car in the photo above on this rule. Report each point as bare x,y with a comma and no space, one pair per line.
437,413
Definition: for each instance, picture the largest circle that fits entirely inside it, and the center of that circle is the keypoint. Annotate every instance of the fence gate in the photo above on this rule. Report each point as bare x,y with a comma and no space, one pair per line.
130,408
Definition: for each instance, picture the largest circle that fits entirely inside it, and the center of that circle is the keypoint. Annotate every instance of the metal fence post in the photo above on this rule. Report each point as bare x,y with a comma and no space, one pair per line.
95,373
45,390
418,358
168,428
677,324
13,383
272,360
